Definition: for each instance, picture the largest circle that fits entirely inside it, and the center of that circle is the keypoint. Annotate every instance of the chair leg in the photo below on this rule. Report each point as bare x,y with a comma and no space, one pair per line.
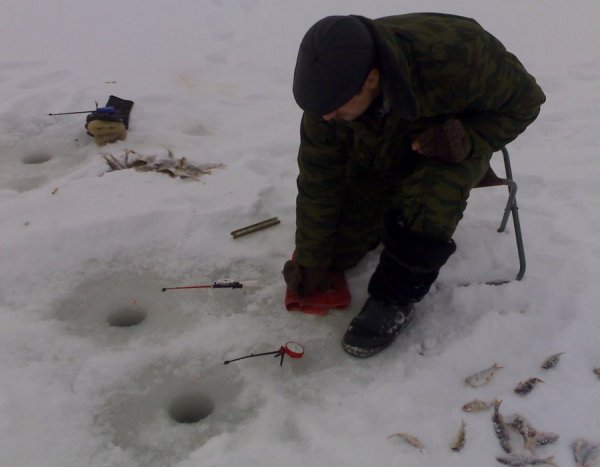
519,237
510,204
512,208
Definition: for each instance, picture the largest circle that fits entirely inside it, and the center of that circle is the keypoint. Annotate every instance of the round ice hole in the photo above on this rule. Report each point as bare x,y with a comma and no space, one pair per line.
36,158
191,408
126,317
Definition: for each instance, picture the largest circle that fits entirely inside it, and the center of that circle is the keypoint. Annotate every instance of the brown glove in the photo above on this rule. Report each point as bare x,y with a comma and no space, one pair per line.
305,281
448,142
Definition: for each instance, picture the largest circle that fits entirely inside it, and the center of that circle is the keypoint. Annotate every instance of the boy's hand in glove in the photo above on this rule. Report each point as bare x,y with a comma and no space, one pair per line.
448,142
305,281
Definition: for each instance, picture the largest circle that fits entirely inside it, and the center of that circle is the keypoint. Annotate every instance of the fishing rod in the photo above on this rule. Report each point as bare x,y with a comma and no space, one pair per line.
222,284
108,110
292,349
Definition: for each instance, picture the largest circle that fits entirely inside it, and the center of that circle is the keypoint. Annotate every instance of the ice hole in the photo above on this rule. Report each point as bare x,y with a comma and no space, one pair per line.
126,317
191,408
36,158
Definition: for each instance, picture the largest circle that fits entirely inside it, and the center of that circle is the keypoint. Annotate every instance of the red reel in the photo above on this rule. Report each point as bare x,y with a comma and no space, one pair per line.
293,349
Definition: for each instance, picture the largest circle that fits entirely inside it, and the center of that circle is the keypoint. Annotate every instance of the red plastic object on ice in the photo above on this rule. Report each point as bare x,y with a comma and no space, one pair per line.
337,297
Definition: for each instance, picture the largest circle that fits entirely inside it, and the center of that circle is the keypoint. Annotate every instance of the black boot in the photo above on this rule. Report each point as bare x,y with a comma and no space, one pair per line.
408,265
376,326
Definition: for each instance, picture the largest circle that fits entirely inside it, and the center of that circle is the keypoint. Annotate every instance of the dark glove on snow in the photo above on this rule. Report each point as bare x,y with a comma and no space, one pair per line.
305,281
448,142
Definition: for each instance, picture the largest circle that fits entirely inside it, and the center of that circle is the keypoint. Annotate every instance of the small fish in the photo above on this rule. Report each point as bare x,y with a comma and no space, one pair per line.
597,371
171,166
524,428
544,439
500,428
476,406
551,361
410,439
521,460
525,387
481,378
578,447
586,454
461,438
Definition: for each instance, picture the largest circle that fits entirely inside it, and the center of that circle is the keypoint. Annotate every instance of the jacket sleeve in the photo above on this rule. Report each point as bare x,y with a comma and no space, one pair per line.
322,161
504,99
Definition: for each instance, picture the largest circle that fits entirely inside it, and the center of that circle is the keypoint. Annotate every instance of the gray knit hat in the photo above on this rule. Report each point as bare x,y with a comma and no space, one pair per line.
333,62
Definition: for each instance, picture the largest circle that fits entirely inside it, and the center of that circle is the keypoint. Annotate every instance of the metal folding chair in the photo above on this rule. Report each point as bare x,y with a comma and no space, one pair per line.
491,179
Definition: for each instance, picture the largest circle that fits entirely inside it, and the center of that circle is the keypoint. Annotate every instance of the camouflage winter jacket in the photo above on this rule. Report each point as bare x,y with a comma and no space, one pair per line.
453,68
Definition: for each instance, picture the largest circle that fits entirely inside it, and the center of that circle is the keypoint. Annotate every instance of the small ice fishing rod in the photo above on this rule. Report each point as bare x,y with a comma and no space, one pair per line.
222,284
101,110
291,349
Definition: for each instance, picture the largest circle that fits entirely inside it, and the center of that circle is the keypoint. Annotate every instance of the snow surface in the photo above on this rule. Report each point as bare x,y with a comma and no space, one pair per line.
211,81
